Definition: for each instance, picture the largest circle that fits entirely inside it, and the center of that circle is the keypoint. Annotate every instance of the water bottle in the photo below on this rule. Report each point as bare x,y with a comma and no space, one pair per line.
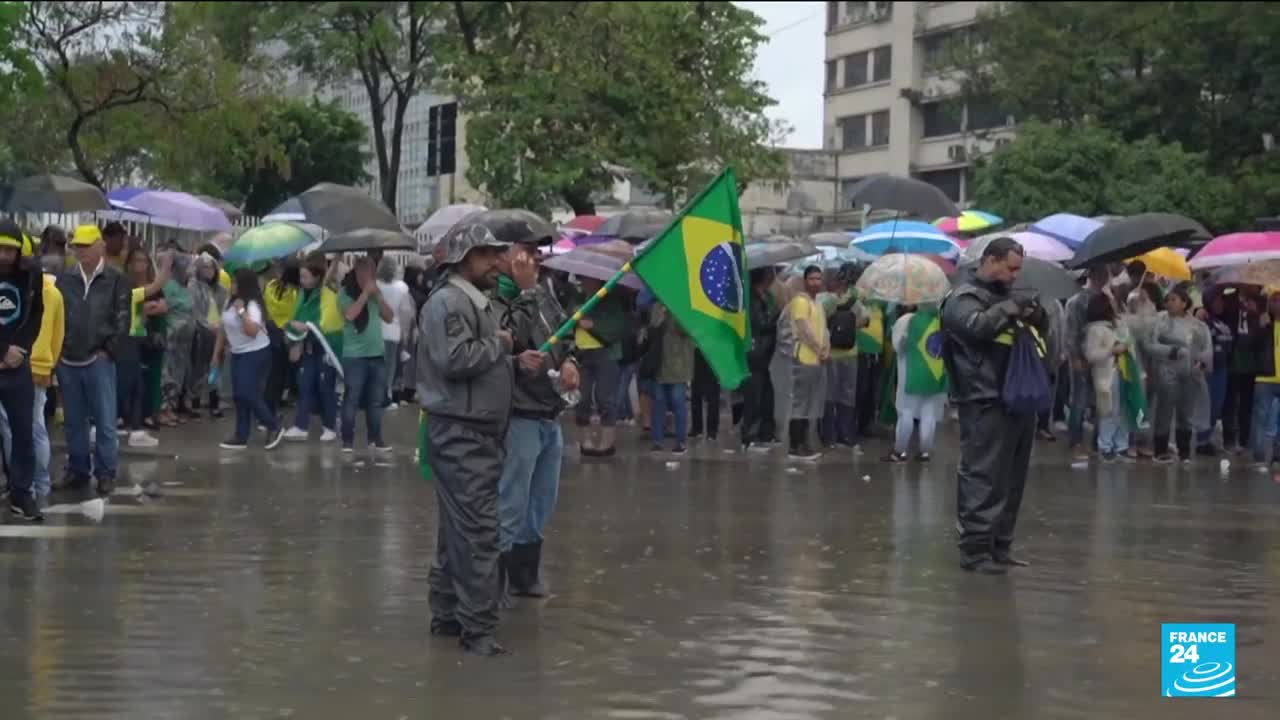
213,375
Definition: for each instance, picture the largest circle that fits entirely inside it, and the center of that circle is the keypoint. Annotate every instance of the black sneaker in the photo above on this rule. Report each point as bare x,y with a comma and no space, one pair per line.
923,457
895,458
1108,457
275,438
1163,459
695,435
106,486
655,449
983,564
1008,559
233,443
26,508
482,645
678,450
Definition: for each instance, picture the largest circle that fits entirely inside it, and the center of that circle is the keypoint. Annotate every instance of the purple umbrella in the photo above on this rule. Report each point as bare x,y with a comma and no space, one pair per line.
174,209
1069,229
587,263
586,240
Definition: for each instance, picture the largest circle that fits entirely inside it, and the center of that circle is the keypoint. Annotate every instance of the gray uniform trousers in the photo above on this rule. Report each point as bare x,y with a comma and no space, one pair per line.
464,576
995,453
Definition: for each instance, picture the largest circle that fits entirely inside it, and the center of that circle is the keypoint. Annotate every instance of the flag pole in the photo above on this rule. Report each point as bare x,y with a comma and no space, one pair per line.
591,302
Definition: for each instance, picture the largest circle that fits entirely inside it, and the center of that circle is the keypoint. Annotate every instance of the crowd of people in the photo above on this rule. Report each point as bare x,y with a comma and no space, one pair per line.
119,339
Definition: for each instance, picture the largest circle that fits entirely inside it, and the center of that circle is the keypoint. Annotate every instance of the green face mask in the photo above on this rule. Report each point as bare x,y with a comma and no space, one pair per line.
507,287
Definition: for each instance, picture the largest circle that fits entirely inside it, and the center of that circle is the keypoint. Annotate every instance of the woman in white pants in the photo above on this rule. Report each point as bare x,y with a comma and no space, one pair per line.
922,380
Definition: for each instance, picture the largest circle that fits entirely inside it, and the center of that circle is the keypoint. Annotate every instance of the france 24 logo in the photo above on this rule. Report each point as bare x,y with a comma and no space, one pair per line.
1198,660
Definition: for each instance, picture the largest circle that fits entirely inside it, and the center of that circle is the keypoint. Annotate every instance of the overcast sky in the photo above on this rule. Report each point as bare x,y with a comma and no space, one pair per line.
791,64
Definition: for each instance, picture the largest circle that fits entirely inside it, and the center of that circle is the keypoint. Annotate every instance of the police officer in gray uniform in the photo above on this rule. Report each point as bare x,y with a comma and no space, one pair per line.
465,381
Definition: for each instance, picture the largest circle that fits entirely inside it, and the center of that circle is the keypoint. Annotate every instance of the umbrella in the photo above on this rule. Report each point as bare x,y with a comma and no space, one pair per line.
1069,229
1166,262
174,209
232,212
290,209
636,224
341,208
834,239
1035,245
367,239
601,262
1044,278
906,279
1237,249
125,212
54,194
513,226
1263,273
764,254
1135,235
441,220
968,221
271,241
772,239
906,236
907,195
948,266
584,224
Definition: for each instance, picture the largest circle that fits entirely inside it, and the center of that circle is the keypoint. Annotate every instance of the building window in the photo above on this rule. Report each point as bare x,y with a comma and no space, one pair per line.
881,63
831,75
937,50
846,191
855,69
986,114
948,181
442,137
941,118
880,128
853,13
854,132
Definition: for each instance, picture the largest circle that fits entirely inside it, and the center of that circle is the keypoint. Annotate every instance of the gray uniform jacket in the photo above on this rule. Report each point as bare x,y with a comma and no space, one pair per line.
531,317
465,371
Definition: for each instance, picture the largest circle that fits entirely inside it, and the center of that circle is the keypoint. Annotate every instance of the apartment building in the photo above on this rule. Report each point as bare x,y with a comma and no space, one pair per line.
891,102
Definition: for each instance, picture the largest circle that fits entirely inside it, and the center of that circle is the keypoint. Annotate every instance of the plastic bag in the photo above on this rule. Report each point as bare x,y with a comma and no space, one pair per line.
1026,388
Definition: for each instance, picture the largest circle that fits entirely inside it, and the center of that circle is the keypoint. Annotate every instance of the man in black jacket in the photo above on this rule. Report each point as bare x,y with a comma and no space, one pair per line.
978,320
757,392
21,309
95,298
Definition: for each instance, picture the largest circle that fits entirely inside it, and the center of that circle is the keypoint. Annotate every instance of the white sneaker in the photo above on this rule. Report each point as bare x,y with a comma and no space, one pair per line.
295,434
142,439
328,435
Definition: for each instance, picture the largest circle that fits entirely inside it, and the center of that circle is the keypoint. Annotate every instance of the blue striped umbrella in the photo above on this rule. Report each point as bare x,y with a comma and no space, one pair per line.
905,236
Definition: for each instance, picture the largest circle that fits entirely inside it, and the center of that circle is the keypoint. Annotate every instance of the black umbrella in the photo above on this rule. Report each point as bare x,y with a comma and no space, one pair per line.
636,224
366,239
340,208
764,254
54,194
1134,235
513,226
906,195
829,239
1046,279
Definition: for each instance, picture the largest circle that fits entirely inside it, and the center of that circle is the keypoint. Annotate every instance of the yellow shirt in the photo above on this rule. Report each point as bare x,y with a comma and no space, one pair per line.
585,340
48,346
280,307
803,307
224,279
1275,353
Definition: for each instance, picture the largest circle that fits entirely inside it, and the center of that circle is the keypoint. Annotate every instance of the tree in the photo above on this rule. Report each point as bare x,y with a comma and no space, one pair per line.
1091,171
306,143
662,89
387,45
102,60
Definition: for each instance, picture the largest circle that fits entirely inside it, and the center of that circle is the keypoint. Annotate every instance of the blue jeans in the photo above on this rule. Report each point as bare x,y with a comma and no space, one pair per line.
40,484
366,387
89,396
1081,399
624,411
1266,403
317,389
1114,429
530,480
669,397
247,373
1217,398
16,404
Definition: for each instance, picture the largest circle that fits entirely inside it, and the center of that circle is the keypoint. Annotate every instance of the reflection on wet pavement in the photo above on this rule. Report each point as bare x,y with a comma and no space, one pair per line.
294,585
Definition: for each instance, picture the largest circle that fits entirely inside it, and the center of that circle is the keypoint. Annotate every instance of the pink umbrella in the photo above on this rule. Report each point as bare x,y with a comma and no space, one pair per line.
1237,249
585,224
1036,245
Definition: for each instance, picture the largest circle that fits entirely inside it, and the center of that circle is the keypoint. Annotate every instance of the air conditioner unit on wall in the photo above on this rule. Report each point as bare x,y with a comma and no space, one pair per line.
956,152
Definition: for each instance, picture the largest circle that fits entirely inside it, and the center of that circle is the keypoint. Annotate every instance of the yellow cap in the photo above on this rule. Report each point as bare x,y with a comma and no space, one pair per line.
86,235
9,241
28,245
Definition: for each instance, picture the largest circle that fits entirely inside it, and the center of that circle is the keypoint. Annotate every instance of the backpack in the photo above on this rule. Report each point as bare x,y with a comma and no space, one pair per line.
843,327
1026,389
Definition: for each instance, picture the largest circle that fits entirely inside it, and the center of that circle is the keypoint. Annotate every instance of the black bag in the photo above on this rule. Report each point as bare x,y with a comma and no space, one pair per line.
843,327
650,348
1026,389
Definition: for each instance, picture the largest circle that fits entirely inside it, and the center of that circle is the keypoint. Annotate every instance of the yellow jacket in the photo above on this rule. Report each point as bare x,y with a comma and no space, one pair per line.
48,346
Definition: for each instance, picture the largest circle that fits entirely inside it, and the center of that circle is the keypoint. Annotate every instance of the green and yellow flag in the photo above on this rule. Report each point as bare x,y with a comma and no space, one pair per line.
926,374
696,269
1132,395
870,339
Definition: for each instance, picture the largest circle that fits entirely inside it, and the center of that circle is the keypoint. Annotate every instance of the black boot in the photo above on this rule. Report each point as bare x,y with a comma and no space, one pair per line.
1184,444
505,562
524,575
796,436
483,645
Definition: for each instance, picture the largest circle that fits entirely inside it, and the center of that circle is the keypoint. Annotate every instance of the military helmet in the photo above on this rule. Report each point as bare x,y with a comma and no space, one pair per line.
461,239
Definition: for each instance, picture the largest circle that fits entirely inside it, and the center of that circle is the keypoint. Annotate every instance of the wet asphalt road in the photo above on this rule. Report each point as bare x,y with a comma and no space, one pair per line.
293,584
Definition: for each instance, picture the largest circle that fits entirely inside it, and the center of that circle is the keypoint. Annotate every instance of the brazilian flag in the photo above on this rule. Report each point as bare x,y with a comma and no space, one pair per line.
926,374
695,268
424,467
870,339
1133,396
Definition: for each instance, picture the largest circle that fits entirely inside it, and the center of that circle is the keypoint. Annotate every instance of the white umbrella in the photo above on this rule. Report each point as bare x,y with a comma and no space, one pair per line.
443,219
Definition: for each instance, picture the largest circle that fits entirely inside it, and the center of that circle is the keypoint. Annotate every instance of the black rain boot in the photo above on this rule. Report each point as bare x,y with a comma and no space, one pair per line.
1160,448
505,562
1184,444
524,576
795,436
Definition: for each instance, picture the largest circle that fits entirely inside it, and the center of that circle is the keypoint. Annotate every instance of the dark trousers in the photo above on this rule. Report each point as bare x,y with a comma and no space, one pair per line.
467,466
278,373
246,371
131,396
600,375
706,392
995,452
17,395
757,408
1237,411
868,393
839,425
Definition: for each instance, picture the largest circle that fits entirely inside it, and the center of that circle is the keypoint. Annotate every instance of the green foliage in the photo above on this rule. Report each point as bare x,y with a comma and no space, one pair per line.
558,95
1091,171
1199,77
